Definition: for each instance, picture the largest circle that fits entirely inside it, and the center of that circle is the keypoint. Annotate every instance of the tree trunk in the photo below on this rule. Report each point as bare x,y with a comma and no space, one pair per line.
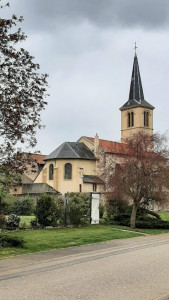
150,212
133,216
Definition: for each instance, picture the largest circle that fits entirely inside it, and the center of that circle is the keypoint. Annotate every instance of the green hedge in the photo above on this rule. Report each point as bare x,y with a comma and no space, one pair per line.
11,241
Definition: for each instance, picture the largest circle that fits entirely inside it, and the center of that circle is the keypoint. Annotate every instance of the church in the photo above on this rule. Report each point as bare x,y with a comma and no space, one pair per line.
80,166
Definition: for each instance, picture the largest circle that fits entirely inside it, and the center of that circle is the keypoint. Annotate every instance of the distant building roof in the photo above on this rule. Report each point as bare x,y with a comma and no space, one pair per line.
39,158
26,179
111,147
38,188
71,150
136,95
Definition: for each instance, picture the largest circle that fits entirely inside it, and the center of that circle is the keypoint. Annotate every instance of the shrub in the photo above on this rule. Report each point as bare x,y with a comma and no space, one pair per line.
116,207
22,207
7,202
46,210
34,223
60,211
10,241
152,223
101,210
78,208
13,221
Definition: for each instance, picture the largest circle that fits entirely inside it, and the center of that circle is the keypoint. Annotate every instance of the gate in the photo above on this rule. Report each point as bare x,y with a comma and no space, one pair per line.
95,201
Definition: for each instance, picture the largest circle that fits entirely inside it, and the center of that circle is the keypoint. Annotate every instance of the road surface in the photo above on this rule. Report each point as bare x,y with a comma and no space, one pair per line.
130,269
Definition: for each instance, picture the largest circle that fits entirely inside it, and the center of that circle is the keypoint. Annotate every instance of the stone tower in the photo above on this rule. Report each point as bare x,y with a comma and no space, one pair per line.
136,113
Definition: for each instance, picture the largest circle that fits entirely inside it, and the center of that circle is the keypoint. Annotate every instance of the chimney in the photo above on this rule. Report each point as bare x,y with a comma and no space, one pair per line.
96,144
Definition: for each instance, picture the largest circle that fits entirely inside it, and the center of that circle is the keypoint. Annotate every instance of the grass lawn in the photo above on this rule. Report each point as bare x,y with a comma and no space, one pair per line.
164,216
25,221
43,240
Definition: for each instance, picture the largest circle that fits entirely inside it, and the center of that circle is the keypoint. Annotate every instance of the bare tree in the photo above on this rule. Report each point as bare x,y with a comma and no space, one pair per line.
22,94
143,174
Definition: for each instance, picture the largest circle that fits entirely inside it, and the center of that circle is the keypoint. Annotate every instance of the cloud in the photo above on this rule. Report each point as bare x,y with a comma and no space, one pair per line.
45,15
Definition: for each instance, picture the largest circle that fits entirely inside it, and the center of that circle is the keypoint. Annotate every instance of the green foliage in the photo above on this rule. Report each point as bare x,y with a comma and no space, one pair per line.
60,211
78,208
45,210
34,223
101,210
22,207
117,207
6,201
143,220
152,223
10,241
13,221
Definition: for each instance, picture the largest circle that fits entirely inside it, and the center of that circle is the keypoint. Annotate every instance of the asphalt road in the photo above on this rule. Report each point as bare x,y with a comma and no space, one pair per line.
136,268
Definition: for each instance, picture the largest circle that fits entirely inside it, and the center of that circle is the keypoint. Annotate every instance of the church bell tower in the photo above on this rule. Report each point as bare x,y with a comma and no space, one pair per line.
136,113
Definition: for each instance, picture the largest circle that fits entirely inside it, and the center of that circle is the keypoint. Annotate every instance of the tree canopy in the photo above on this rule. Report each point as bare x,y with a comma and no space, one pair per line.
22,96
143,174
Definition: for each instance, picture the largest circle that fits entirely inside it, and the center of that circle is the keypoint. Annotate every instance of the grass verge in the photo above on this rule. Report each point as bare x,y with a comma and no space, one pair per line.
43,240
148,231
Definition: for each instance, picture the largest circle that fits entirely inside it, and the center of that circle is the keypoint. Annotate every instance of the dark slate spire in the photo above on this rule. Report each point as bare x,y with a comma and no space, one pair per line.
136,90
136,95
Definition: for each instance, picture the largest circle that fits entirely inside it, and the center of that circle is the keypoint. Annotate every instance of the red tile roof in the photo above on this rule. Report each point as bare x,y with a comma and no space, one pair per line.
111,147
38,158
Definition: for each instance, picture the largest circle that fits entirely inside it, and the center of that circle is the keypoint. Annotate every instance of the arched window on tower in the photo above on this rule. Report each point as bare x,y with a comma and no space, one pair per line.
146,119
68,171
130,119
51,172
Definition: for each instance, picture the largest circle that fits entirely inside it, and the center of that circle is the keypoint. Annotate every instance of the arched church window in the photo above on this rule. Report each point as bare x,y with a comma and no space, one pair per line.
130,121
68,171
51,172
146,119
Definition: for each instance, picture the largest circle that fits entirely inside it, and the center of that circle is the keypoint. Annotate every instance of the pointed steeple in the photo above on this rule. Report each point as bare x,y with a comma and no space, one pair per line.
136,95
136,90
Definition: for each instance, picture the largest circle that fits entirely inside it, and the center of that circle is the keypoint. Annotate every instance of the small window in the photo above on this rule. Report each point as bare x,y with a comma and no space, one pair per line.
146,119
68,171
51,172
80,188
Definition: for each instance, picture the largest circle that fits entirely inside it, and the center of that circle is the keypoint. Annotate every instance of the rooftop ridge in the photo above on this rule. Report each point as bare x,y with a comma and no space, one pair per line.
104,140
73,149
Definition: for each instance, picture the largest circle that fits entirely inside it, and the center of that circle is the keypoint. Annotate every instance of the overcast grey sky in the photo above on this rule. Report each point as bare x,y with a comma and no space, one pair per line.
86,47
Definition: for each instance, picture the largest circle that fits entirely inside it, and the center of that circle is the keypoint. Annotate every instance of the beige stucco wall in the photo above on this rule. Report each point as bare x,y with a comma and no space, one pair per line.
16,191
32,172
138,122
79,167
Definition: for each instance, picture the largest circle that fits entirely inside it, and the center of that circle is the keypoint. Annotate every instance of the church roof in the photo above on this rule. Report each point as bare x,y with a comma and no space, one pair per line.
71,150
136,95
111,147
92,179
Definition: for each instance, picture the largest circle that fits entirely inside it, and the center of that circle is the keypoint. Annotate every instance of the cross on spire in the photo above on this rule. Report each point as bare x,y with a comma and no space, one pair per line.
135,47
